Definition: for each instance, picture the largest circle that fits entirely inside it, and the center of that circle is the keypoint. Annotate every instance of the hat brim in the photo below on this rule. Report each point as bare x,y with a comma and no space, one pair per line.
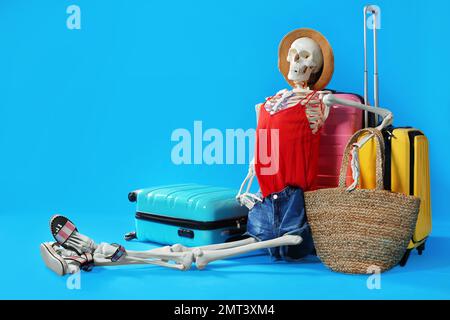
327,52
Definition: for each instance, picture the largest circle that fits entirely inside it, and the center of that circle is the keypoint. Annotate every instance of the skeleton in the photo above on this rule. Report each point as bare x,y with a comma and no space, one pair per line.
305,61
81,252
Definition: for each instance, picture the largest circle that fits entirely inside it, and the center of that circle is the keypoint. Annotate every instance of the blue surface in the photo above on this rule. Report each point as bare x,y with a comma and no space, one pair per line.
86,116
250,277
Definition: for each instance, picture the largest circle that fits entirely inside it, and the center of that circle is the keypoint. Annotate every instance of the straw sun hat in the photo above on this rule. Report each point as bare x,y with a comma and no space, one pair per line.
323,77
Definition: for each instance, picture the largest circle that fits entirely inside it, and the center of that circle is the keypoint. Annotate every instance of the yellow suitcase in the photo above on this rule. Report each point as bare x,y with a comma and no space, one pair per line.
407,170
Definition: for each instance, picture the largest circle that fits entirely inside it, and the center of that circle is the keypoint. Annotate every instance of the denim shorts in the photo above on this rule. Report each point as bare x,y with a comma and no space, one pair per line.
279,214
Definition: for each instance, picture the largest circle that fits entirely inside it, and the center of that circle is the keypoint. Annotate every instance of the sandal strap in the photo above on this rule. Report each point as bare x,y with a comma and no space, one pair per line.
85,261
118,254
65,232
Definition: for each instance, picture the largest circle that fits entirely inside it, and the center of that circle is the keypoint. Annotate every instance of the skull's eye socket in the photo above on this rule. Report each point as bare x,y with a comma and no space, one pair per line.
305,54
296,57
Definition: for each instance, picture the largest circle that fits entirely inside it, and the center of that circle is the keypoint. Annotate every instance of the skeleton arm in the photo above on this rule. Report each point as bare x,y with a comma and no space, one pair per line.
246,198
387,116
330,100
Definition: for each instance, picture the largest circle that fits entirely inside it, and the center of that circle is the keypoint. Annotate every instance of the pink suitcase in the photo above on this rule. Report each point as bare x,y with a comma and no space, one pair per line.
341,124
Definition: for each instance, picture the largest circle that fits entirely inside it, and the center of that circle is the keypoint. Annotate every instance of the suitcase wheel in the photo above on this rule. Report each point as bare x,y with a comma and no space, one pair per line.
130,236
405,258
132,196
421,248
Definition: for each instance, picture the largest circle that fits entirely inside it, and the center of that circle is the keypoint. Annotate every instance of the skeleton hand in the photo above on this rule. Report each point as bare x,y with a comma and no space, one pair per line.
247,199
387,121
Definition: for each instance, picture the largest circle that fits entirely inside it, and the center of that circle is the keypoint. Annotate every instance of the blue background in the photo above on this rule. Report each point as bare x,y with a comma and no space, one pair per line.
87,115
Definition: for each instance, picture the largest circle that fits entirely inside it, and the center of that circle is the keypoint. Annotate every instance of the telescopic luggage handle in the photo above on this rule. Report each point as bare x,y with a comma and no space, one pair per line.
375,11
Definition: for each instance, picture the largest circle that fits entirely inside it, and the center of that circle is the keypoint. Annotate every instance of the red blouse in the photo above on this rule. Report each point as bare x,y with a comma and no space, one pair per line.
287,151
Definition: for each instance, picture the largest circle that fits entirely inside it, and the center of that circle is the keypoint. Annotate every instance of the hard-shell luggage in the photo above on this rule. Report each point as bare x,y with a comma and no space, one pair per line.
341,124
189,214
406,162
407,171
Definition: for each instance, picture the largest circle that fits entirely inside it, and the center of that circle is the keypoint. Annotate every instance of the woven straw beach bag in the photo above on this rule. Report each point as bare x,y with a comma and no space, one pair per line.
361,231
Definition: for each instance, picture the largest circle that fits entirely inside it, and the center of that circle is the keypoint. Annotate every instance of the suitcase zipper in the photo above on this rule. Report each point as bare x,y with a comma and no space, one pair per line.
238,222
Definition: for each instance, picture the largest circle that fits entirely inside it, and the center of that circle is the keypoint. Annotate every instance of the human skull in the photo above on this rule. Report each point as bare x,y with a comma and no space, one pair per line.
305,59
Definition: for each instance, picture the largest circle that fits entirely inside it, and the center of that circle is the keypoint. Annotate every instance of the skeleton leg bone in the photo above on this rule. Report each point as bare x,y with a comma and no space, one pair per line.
227,245
183,258
106,250
203,257
100,260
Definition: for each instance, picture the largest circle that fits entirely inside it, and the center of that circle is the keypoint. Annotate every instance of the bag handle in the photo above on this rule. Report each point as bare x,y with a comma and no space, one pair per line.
379,157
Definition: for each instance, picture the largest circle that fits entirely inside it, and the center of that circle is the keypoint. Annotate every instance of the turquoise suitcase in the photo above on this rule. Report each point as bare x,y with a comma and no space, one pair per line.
190,214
